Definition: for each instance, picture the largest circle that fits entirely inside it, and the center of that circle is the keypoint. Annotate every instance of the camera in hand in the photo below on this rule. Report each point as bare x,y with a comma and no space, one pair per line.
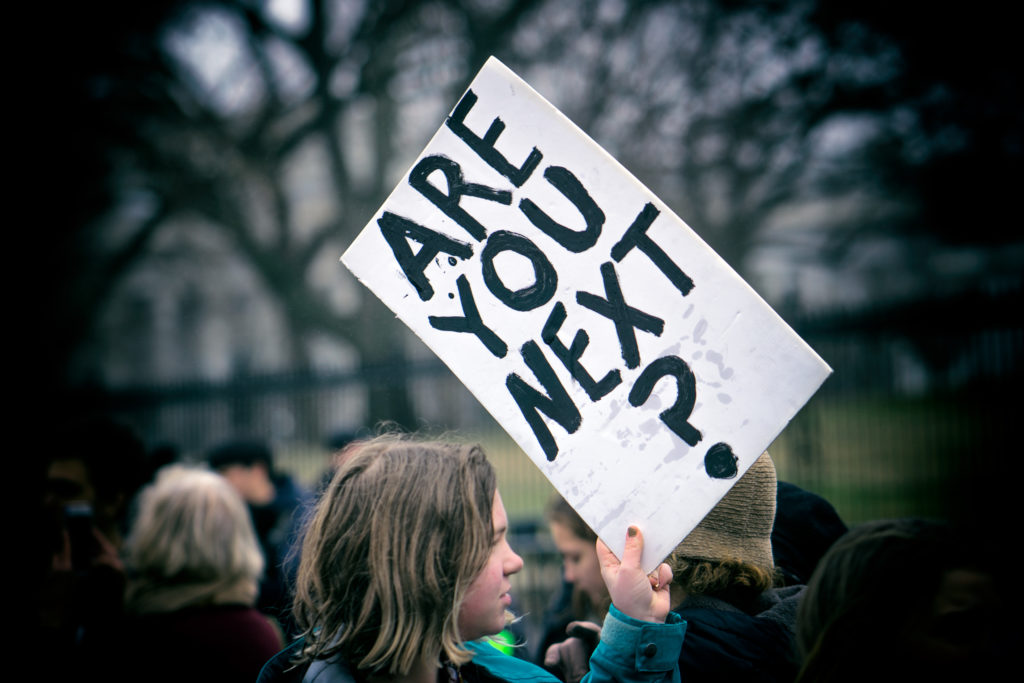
78,521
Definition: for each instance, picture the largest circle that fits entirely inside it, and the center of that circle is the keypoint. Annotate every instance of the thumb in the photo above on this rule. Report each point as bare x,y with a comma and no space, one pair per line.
634,546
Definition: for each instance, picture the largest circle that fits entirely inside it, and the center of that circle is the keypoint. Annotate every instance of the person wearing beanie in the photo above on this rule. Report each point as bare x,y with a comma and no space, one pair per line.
739,605
740,620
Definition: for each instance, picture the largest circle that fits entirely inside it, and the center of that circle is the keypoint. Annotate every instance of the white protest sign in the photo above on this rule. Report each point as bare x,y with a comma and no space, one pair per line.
635,368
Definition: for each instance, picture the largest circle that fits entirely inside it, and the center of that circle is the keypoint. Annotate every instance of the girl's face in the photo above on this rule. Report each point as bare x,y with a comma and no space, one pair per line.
483,610
579,561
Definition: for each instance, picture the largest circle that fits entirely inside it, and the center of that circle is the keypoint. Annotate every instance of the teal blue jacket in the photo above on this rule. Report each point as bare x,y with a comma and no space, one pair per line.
630,651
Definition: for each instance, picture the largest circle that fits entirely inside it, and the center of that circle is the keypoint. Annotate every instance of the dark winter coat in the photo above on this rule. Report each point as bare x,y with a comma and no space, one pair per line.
724,643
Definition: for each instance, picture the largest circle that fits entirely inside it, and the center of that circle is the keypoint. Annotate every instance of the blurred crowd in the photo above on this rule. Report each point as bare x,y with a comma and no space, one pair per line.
156,569
151,568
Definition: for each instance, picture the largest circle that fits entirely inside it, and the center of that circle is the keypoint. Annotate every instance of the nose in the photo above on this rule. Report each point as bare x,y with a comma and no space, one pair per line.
569,574
513,563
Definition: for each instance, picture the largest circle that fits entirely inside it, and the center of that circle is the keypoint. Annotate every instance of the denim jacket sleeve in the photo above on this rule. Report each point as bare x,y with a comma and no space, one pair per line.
634,651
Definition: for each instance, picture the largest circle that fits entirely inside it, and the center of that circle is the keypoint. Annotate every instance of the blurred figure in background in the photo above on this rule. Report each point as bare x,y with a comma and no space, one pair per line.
99,462
905,599
92,474
277,503
806,525
194,568
337,446
583,596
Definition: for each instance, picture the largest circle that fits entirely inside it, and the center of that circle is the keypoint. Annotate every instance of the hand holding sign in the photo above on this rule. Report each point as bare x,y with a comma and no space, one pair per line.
632,591
627,360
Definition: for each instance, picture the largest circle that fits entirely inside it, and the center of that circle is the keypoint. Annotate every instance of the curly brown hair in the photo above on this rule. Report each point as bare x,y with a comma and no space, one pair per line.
738,583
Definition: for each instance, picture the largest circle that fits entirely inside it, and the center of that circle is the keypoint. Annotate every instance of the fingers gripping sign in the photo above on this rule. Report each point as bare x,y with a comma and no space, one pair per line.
633,592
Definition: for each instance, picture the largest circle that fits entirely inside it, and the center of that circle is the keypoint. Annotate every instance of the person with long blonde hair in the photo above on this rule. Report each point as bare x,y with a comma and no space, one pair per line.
405,572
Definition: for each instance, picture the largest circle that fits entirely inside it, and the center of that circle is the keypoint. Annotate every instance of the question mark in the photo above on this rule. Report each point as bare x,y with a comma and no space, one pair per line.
676,417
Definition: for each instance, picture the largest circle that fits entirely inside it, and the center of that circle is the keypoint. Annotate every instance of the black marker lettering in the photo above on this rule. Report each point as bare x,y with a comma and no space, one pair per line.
636,236
397,231
545,277
556,403
720,462
484,147
565,182
457,189
625,318
471,322
571,357
686,395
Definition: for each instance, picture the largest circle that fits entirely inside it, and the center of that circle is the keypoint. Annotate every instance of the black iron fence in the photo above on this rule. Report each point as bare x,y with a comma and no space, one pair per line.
916,389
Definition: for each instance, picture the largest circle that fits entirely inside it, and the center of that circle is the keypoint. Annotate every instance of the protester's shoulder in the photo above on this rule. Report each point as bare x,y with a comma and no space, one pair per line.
240,621
712,621
259,630
783,598
505,667
280,669
739,646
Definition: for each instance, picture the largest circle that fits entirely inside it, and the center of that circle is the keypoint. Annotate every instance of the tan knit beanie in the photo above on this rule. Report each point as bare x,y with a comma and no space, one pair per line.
739,527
